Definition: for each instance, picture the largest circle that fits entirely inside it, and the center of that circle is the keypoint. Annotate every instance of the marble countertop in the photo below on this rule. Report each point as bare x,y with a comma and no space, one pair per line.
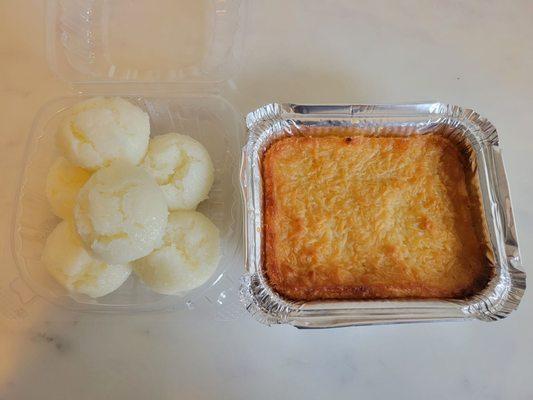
472,53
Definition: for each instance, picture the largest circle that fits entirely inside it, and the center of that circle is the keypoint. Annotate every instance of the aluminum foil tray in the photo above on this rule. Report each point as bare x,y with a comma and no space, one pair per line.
467,129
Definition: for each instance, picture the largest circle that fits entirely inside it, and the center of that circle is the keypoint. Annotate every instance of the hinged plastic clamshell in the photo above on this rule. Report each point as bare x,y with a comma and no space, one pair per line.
172,62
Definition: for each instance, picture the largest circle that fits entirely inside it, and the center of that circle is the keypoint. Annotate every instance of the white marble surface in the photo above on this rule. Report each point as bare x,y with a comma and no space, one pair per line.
473,53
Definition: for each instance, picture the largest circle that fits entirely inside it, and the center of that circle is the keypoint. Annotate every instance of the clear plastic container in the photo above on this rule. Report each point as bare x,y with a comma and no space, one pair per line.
172,67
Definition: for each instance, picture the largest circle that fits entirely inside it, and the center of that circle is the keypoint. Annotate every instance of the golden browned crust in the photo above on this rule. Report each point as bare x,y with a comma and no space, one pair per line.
364,217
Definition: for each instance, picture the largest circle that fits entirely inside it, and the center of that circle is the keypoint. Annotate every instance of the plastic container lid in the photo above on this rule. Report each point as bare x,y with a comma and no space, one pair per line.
175,64
94,41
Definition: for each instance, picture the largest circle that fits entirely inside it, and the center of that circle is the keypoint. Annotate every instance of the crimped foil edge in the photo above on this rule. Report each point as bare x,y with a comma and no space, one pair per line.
495,302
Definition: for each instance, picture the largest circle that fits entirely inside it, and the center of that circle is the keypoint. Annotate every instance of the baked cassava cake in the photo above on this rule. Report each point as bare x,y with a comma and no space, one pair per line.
349,216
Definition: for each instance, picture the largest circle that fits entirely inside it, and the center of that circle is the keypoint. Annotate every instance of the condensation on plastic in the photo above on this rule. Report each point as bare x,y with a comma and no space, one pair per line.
467,128
175,78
